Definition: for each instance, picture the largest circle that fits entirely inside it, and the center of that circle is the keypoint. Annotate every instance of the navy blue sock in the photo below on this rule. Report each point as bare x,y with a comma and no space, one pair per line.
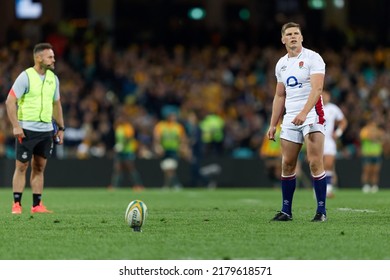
288,188
319,183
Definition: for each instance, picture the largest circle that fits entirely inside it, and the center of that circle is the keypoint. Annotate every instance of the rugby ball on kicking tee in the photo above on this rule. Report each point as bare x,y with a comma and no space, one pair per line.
136,214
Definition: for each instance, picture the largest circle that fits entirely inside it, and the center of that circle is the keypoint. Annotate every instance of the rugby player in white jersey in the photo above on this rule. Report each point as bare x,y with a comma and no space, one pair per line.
335,125
300,79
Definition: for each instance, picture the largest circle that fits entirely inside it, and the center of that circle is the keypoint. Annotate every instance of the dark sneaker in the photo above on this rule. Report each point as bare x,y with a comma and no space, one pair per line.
282,217
319,217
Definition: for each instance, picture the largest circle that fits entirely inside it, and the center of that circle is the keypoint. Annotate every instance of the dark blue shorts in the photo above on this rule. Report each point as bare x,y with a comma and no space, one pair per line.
372,159
35,143
125,156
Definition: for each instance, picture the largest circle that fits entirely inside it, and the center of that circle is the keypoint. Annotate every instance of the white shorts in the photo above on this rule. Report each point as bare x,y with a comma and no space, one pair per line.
330,147
169,164
297,134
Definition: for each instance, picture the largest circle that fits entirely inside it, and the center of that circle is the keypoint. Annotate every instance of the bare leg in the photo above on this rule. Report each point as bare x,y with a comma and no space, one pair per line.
19,178
38,165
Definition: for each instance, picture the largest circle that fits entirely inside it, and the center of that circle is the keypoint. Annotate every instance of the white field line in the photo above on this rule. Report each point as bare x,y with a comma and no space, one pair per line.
356,210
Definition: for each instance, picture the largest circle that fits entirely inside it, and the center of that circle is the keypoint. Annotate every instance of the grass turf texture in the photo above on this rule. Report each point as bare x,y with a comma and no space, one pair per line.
195,224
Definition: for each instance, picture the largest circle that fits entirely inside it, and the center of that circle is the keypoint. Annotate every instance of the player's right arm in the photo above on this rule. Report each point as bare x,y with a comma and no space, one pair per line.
18,89
277,109
12,115
157,140
341,125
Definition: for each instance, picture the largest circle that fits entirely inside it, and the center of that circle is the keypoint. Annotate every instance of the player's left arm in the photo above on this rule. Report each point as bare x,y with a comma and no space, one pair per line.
381,135
341,127
317,84
157,139
58,116
57,112
184,143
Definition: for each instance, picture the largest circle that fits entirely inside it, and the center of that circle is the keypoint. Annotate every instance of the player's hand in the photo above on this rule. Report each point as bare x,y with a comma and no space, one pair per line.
18,133
118,147
159,150
271,133
299,119
60,135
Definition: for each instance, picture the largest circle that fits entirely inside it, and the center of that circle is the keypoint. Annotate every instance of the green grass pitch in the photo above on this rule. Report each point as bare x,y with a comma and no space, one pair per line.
195,224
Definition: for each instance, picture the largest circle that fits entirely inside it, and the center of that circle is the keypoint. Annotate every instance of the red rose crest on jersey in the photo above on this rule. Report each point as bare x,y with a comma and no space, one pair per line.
300,64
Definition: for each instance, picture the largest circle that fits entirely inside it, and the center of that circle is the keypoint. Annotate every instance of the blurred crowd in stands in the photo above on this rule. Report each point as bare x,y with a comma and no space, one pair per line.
235,84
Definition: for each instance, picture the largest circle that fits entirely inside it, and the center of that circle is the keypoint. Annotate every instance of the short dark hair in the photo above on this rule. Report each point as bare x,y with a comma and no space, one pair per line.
41,47
289,25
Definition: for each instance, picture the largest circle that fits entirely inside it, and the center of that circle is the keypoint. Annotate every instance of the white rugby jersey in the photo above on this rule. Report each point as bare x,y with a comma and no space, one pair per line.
333,114
294,73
